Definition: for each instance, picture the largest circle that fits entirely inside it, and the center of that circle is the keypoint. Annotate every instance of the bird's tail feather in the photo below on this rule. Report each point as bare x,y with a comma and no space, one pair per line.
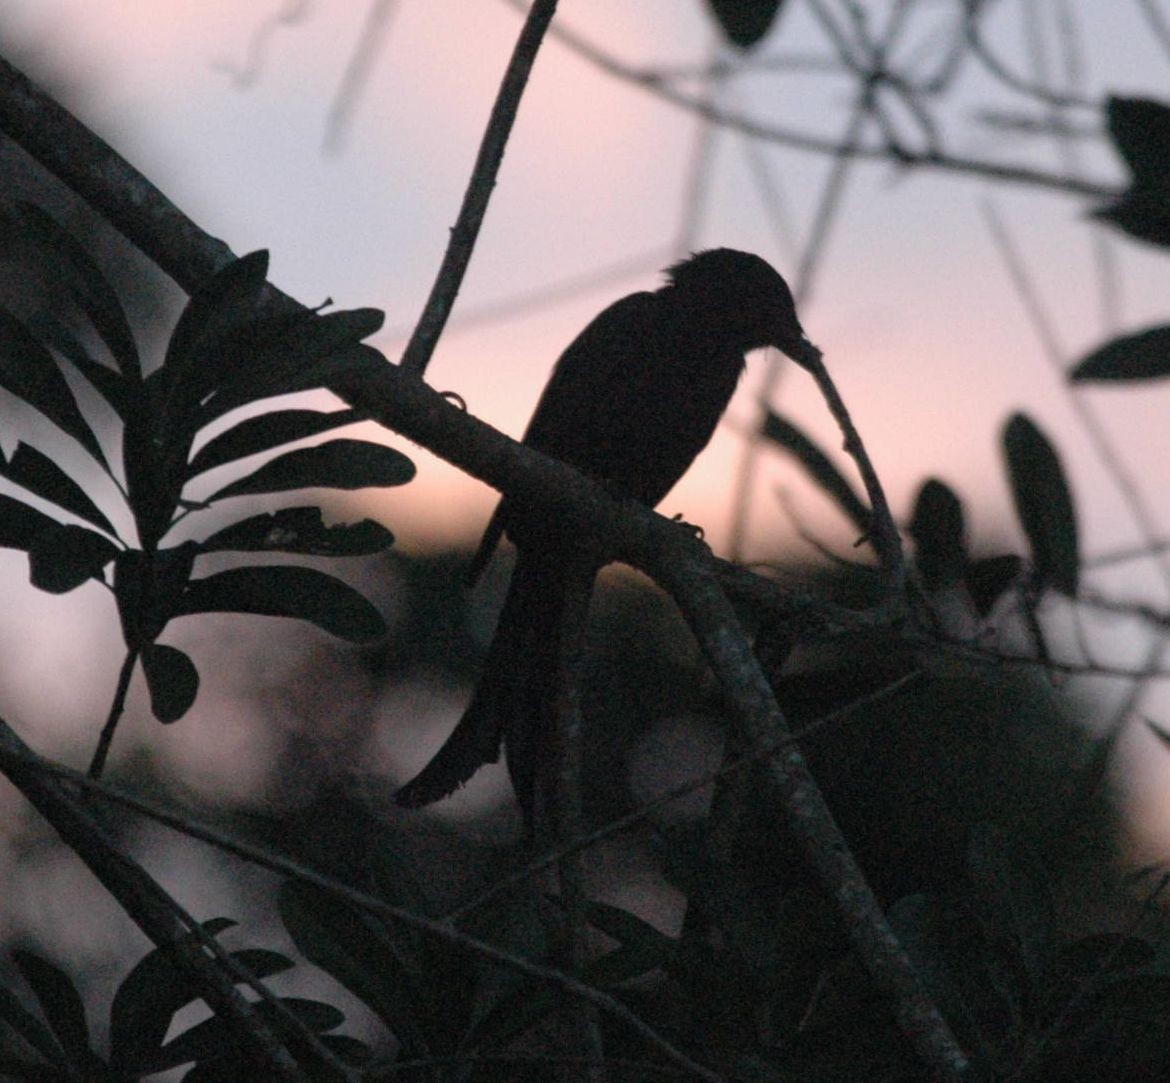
514,682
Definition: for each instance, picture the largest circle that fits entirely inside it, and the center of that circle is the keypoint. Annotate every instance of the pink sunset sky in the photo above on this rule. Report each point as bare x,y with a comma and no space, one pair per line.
920,325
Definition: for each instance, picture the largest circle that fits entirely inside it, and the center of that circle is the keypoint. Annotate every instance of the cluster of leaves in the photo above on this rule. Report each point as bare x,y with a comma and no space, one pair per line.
229,350
937,525
433,997
57,1046
1025,1003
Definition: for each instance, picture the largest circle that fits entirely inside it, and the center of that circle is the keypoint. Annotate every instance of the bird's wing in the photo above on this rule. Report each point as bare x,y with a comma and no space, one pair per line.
588,379
570,419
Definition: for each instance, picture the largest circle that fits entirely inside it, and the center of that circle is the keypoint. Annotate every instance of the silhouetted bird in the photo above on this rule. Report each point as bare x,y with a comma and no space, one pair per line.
631,402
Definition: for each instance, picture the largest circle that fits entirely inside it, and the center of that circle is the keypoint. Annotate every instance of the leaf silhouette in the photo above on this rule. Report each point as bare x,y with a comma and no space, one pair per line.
20,523
792,439
338,464
303,593
937,529
988,578
265,432
1140,130
745,22
60,1002
36,472
107,381
300,530
172,679
1043,503
29,372
63,556
1141,356
298,352
93,293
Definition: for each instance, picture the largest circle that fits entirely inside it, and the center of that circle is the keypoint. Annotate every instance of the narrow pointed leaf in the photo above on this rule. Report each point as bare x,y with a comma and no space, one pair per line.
200,354
63,556
338,464
150,995
745,22
988,578
785,434
18,1018
108,382
264,433
300,530
1142,212
641,947
937,529
93,293
1043,503
288,354
20,524
302,593
356,951
36,472
225,300
60,1002
1140,131
29,372
211,1042
1141,356
172,679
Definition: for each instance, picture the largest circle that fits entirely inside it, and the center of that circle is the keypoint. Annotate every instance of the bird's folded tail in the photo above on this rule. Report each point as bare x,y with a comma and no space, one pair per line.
513,683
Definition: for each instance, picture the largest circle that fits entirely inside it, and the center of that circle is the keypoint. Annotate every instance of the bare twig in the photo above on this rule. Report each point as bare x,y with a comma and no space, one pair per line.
1157,22
931,158
98,763
357,72
538,297
417,354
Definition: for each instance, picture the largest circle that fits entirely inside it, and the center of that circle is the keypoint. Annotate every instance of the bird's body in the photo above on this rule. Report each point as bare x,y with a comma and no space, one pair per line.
631,402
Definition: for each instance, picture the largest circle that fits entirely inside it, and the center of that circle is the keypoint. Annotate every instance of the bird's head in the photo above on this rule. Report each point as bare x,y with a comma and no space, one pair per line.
744,297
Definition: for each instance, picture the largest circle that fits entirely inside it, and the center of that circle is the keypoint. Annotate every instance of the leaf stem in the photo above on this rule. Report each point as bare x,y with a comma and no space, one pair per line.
98,763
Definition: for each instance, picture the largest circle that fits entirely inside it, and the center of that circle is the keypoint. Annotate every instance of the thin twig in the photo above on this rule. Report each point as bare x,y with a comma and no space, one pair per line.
823,218
417,354
927,159
357,72
117,706
1158,23
536,298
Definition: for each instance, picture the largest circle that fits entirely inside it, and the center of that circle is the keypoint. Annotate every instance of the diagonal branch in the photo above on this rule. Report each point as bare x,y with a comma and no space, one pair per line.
479,189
